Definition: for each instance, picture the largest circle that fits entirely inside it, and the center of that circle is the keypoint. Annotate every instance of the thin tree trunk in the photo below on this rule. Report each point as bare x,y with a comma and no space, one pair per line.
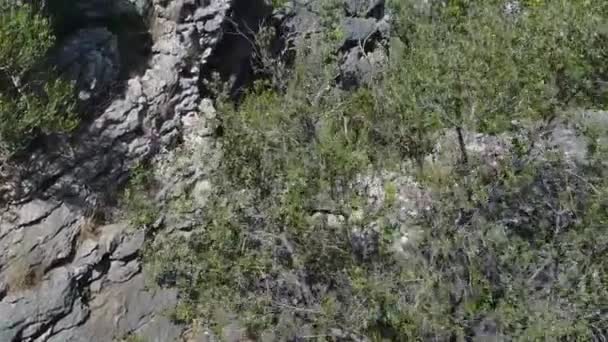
463,149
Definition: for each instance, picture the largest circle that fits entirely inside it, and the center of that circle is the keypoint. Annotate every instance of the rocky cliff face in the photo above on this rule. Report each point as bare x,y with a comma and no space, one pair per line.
70,269
66,272
64,277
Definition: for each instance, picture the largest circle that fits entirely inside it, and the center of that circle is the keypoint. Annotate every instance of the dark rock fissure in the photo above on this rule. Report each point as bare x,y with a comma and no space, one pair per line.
232,59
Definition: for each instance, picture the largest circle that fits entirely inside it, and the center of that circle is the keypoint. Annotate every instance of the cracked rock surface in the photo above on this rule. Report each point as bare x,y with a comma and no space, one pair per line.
64,277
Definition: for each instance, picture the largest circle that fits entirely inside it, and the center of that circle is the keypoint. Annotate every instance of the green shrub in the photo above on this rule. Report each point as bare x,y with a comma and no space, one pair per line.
469,65
32,100
518,253
137,198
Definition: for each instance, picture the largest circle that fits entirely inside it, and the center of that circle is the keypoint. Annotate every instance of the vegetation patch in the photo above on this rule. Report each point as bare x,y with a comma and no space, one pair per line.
33,101
291,247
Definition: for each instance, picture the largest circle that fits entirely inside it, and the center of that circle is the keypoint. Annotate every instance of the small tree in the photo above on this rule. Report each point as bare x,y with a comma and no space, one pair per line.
32,100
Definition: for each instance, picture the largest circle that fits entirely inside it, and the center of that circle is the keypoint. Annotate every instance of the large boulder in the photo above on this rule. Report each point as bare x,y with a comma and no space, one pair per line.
357,31
359,68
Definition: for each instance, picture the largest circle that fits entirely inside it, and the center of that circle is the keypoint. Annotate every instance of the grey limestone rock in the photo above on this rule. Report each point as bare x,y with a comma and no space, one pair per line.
365,8
365,26
100,292
360,68
23,315
358,30
63,277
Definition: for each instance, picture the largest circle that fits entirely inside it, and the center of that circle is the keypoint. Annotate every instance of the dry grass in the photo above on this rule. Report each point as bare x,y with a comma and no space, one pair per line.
21,275
90,225
89,229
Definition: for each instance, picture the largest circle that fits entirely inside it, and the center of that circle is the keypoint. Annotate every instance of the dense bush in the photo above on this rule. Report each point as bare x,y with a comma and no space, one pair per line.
291,246
474,66
32,99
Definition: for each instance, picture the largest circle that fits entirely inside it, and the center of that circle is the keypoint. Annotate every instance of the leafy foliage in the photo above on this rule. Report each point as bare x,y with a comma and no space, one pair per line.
471,65
32,101
291,247
137,200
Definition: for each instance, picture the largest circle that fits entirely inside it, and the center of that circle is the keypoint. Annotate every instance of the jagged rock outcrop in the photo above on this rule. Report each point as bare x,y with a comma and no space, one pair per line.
365,32
145,118
63,275
95,294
